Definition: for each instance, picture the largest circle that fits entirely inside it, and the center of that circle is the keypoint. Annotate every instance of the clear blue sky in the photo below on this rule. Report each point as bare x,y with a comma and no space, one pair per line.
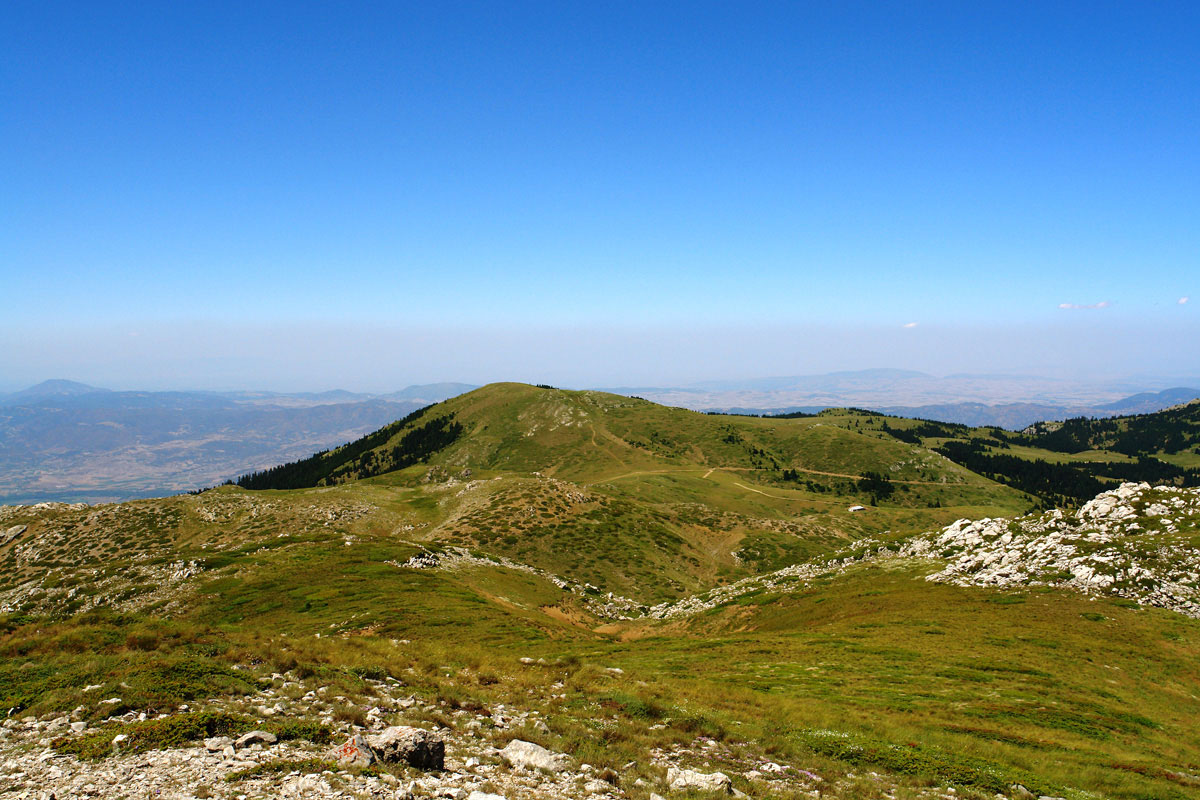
190,186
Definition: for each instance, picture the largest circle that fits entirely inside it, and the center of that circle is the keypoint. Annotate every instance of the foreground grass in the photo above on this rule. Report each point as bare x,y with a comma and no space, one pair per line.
181,729
877,670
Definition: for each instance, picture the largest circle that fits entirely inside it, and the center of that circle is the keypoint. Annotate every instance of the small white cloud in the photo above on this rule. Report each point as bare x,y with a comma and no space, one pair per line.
909,325
1183,300
1082,306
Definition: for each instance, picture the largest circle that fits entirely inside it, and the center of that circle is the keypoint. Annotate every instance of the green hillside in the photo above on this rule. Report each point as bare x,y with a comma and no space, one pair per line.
1066,463
648,501
651,584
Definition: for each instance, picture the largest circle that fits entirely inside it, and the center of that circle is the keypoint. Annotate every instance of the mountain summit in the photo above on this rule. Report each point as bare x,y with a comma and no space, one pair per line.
56,387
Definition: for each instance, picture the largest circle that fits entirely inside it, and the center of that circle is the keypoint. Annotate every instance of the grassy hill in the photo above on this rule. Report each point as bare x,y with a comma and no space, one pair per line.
693,587
645,500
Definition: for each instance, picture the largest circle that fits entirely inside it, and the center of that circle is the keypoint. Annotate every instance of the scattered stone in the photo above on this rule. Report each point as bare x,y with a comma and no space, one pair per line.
216,744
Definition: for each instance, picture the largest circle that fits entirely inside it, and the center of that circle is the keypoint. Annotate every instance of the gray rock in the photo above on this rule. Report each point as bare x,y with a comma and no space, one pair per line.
255,737
12,533
484,796
413,746
217,743
684,779
520,753
356,752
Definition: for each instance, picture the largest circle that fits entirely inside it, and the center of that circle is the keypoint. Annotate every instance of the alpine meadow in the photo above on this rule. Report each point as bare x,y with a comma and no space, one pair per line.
531,400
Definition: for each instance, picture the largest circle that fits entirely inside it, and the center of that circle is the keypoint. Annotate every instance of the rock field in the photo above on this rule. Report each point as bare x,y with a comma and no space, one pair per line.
1136,541
397,754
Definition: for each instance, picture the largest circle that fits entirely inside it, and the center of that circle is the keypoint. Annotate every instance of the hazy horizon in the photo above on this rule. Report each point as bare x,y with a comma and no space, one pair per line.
314,358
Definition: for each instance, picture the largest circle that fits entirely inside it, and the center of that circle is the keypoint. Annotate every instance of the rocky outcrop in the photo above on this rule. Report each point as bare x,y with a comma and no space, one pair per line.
1134,542
416,747
9,534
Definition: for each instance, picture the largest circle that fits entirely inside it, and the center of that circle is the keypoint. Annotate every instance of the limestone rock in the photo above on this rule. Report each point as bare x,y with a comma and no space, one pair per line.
254,737
520,753
356,752
684,779
413,746
7,536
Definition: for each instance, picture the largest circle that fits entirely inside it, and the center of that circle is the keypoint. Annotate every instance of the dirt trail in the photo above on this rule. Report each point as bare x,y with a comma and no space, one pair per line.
843,475
759,491
756,469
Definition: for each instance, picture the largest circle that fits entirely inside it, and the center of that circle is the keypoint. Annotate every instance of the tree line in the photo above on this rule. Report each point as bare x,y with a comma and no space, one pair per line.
362,458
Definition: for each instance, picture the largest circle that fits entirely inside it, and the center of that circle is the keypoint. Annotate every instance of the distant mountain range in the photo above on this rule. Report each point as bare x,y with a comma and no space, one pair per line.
1008,401
77,394
63,440
1016,416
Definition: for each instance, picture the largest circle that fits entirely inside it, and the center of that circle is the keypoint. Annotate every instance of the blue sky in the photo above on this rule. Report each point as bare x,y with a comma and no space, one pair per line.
191,185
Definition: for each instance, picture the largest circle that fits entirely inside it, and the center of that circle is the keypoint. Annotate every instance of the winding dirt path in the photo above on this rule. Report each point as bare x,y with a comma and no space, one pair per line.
756,469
